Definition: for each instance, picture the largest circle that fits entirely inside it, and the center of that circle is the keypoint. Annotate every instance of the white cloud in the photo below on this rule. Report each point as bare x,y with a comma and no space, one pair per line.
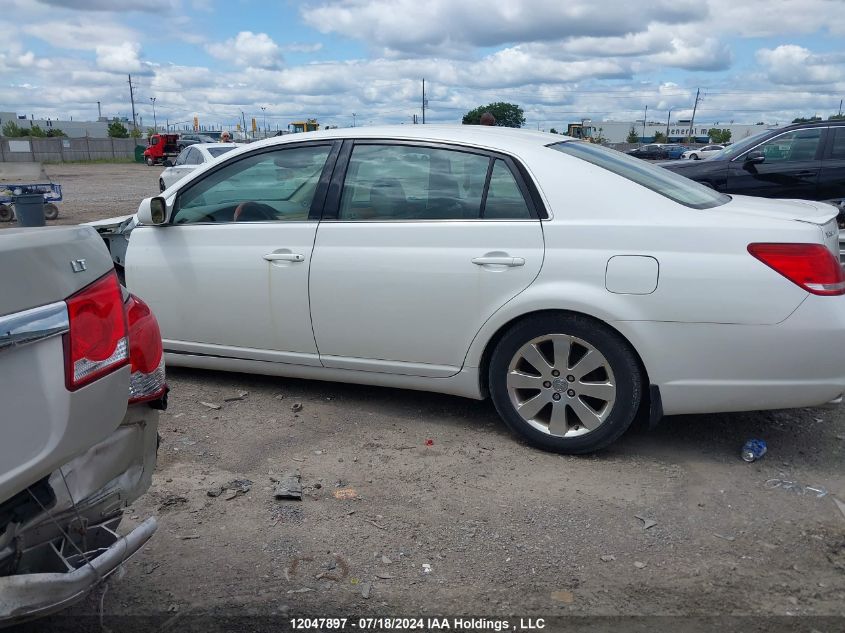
81,34
121,58
149,6
303,47
791,64
256,50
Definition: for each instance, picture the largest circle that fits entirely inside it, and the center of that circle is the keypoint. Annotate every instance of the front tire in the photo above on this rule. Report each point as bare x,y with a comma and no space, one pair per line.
694,157
565,383
150,161
51,211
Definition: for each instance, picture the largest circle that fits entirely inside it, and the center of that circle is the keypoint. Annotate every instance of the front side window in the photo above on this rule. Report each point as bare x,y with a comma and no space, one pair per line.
183,156
669,184
402,182
194,157
793,146
266,187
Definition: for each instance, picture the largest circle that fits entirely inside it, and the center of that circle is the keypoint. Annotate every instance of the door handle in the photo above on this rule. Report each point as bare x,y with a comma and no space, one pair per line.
498,261
284,257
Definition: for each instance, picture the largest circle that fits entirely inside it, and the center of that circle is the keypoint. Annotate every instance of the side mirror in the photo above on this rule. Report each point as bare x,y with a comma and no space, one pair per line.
168,163
755,157
154,212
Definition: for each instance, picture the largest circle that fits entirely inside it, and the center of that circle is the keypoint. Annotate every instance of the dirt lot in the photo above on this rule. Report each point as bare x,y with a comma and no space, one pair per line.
473,522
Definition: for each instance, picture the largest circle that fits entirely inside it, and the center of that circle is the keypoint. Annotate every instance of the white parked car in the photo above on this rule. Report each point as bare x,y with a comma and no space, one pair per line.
573,285
189,159
702,152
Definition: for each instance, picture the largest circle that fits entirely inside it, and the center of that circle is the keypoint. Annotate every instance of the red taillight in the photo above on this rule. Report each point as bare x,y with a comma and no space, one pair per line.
96,342
811,266
146,355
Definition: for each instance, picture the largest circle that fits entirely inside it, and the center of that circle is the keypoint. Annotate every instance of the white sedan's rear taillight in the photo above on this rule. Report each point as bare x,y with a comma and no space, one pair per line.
96,343
146,355
810,266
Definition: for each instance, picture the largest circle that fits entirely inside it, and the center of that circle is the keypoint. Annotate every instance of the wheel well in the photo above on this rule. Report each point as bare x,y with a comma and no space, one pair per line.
484,367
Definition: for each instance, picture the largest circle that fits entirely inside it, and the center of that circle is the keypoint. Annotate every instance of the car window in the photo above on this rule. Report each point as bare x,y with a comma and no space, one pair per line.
183,156
504,199
403,182
735,149
194,157
219,151
793,146
669,184
270,186
838,142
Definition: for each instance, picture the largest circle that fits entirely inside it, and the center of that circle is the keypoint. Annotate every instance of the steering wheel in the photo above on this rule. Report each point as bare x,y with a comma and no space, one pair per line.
253,212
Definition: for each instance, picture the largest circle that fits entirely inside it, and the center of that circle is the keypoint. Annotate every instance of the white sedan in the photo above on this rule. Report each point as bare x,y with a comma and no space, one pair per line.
573,285
702,152
189,159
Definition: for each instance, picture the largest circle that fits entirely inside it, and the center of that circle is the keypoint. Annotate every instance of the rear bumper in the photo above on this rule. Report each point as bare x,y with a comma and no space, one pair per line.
713,367
27,596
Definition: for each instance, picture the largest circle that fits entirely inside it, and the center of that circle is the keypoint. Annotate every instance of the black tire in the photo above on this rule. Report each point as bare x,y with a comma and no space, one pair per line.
694,157
627,374
6,214
150,161
51,211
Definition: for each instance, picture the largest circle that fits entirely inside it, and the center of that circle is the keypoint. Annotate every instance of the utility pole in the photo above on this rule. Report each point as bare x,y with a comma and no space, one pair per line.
668,118
132,99
692,120
645,117
100,111
840,107
423,102
264,110
155,123
353,119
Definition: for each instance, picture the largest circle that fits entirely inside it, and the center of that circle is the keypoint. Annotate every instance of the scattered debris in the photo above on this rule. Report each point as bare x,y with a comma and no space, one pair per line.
318,452
345,493
384,575
566,597
318,485
296,407
722,536
647,523
171,501
303,590
238,396
426,567
298,459
215,492
386,560
429,442
188,537
212,405
151,568
289,487
230,494
233,489
639,564
794,486
365,590
607,558
371,522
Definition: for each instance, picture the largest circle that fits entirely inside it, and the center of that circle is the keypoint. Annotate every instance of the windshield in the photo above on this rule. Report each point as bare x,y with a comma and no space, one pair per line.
740,146
682,190
219,151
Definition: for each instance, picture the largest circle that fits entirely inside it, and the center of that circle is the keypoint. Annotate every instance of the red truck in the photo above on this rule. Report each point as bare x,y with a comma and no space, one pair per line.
161,147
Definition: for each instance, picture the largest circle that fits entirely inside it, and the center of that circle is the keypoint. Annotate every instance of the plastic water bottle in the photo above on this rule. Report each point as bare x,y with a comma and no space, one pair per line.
753,450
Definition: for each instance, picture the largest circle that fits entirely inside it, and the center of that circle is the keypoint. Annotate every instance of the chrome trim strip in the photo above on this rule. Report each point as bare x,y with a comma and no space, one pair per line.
35,324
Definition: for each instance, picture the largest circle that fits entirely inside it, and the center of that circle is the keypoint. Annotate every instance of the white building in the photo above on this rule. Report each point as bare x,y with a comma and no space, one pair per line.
676,131
73,129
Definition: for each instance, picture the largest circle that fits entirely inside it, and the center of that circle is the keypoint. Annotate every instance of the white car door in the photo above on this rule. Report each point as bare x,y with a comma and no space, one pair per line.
417,249
180,167
228,274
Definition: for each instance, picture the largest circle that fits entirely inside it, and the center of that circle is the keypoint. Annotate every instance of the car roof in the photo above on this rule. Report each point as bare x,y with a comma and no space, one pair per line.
482,136
212,145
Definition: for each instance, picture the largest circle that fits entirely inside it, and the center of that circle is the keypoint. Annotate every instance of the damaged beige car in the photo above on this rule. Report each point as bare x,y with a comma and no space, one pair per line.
82,385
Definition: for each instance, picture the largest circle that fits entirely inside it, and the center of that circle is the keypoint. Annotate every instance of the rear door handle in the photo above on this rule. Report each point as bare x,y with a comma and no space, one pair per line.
284,257
498,261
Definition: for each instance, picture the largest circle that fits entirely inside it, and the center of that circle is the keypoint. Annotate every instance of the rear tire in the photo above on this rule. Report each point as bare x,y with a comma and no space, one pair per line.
5,213
582,395
51,211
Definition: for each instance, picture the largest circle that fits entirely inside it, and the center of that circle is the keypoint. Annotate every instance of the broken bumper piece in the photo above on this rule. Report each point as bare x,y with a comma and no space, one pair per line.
28,596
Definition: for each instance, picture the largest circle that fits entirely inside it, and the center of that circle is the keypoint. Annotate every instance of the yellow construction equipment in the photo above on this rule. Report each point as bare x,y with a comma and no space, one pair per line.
309,125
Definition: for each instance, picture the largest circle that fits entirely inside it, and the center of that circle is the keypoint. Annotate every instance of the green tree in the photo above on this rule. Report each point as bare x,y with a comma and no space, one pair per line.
118,130
836,117
12,130
135,133
719,136
659,137
552,131
802,119
507,114
37,132
632,137
55,132
599,137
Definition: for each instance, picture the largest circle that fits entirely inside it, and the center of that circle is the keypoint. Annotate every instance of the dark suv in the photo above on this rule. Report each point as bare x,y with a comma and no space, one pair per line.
805,160
652,151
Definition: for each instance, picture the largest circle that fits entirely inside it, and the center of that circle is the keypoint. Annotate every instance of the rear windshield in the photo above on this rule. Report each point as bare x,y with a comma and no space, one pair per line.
219,151
669,184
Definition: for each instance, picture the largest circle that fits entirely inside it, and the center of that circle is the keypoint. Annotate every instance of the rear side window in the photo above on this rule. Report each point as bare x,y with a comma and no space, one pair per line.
668,184
504,199
838,143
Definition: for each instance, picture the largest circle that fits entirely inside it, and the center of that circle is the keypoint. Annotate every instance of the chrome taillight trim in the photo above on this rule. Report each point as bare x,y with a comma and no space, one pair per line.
33,325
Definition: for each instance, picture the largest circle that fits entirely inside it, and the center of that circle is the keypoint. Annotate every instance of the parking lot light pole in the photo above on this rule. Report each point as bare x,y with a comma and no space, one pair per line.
155,123
264,110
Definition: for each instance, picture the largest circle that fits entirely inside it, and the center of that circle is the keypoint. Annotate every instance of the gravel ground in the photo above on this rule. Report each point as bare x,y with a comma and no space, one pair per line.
418,504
